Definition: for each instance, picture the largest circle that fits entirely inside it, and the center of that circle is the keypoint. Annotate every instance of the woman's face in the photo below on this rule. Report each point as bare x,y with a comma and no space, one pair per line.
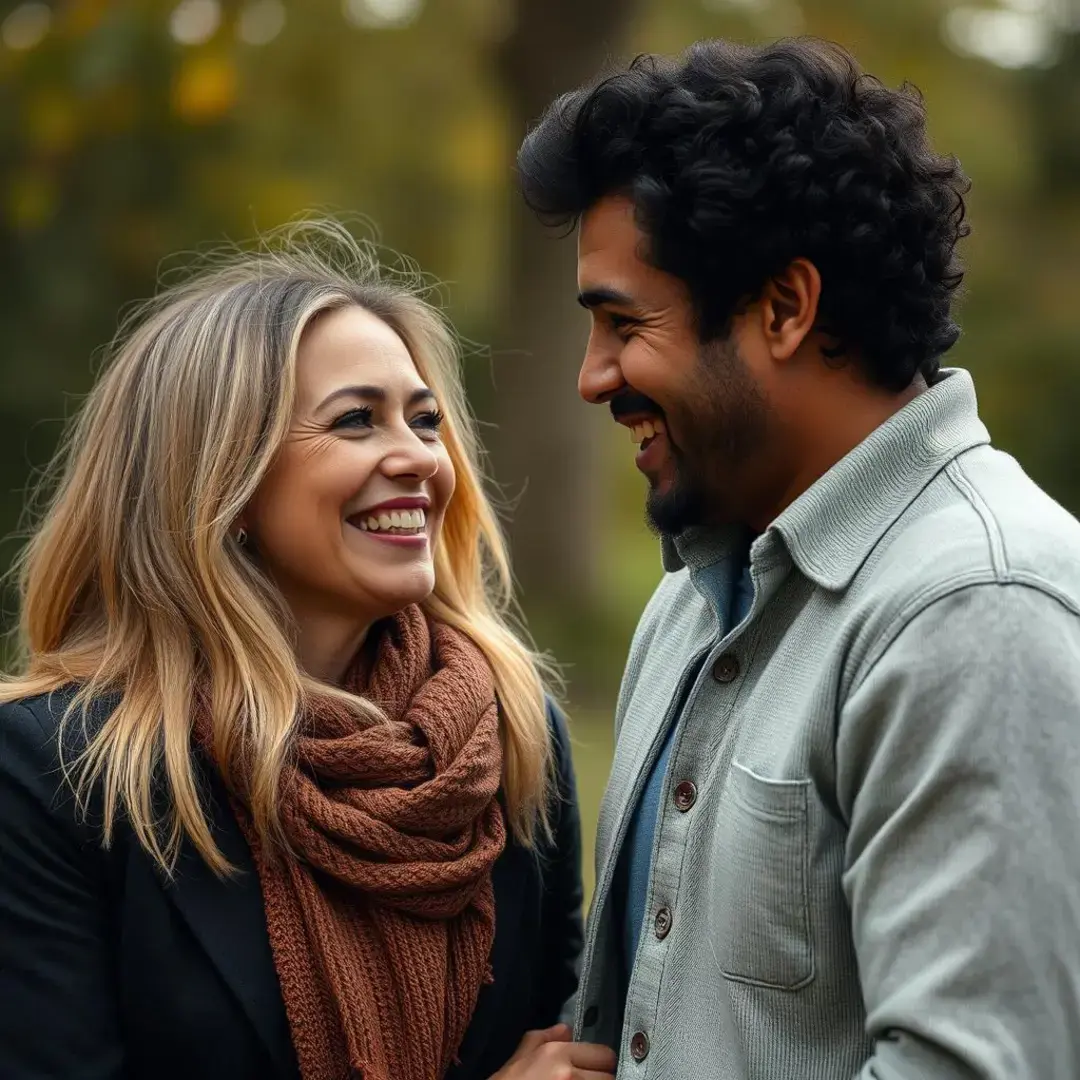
347,519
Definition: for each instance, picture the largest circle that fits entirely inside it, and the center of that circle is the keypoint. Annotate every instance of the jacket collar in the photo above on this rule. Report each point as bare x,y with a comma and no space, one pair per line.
830,530
228,919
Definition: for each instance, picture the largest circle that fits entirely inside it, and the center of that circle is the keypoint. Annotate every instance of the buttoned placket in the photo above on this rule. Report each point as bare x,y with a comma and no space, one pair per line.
588,1015
725,666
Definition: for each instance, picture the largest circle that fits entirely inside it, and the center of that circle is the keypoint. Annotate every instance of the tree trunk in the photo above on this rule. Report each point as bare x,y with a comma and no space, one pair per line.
544,447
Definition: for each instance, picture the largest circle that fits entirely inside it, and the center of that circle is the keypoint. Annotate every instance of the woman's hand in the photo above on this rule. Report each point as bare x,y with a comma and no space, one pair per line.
550,1055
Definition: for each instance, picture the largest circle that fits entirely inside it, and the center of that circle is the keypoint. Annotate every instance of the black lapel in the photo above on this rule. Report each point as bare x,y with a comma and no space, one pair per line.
513,878
228,919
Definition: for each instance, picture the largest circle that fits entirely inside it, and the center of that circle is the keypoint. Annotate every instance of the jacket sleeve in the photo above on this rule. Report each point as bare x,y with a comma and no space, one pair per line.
563,890
958,760
58,1005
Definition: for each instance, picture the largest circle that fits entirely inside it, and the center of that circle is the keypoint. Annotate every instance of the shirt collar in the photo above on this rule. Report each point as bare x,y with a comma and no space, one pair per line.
833,526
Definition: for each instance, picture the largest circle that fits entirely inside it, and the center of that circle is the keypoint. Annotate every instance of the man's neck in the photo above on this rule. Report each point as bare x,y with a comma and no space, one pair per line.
828,426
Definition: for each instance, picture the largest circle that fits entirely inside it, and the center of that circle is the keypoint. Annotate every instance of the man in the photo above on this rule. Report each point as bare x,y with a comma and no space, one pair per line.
842,832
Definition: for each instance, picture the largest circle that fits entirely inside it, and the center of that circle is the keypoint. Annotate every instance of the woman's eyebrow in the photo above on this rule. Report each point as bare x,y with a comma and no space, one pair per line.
374,393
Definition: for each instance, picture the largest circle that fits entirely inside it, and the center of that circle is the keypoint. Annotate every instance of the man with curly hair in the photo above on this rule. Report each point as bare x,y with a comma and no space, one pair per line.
842,832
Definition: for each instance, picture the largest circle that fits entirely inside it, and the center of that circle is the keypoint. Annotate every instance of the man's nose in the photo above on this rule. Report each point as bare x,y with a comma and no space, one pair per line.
600,376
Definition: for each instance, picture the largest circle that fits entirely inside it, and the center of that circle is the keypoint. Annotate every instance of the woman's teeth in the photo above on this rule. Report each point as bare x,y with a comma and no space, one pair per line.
402,521
646,430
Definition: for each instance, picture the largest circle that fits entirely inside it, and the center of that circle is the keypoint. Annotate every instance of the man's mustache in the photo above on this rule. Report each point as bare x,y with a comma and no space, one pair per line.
630,403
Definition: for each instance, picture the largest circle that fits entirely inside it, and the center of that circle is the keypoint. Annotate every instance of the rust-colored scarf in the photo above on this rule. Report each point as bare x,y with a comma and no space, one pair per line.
381,928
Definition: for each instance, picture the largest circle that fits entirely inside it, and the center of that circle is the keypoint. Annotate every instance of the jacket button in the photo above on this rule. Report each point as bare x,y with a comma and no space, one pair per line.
662,923
592,1014
726,668
639,1046
685,796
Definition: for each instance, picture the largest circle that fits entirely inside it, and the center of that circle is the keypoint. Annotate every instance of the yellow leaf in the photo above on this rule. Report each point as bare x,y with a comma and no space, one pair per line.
205,88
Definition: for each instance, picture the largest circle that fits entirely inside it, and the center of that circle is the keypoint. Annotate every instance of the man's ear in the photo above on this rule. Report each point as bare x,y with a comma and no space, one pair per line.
788,306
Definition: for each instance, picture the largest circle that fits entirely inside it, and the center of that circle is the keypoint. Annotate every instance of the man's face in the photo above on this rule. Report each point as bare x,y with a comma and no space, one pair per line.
697,410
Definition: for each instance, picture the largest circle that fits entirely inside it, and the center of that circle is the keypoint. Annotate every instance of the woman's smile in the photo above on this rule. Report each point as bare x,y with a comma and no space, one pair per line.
401,521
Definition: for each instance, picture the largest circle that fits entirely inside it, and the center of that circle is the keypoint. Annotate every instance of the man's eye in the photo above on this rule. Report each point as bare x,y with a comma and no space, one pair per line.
354,418
621,324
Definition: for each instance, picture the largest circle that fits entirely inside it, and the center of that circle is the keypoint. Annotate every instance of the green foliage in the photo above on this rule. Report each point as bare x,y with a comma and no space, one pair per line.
121,146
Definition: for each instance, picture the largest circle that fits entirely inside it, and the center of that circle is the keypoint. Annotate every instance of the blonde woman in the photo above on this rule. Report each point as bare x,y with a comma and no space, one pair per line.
281,794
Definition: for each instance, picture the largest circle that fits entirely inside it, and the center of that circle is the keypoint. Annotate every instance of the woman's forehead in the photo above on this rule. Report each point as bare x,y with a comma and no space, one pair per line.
353,347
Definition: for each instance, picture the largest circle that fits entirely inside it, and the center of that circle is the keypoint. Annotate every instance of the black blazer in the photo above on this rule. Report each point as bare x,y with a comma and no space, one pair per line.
108,971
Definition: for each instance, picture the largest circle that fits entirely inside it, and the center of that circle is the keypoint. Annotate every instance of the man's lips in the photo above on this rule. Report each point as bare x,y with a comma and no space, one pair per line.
629,405
643,431
650,458
648,427
640,414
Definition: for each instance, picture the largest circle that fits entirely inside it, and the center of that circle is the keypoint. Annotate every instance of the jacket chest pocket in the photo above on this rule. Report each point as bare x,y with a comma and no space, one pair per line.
760,878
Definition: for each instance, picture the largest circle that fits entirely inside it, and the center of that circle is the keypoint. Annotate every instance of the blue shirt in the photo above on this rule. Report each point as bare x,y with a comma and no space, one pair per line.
729,586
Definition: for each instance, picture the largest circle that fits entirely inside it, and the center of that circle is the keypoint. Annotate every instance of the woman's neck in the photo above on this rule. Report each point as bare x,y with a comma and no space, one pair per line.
327,645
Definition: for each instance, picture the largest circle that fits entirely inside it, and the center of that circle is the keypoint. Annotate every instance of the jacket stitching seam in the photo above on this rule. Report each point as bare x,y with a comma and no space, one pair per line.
994,537
933,594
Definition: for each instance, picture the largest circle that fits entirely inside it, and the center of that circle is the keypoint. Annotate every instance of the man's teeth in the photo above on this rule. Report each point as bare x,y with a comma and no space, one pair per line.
405,520
646,430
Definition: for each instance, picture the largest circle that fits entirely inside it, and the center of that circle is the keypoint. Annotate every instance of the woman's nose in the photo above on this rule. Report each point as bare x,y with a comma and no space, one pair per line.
411,456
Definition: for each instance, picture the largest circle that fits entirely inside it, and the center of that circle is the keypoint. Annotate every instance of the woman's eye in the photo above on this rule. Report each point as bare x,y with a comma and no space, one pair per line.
354,418
428,422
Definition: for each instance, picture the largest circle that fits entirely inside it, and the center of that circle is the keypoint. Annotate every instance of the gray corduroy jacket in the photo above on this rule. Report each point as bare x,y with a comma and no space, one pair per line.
867,856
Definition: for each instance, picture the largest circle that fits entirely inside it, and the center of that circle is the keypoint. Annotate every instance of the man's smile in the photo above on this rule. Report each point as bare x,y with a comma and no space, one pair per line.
642,431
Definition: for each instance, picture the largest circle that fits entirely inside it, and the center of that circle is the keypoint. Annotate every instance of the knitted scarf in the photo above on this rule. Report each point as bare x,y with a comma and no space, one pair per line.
381,926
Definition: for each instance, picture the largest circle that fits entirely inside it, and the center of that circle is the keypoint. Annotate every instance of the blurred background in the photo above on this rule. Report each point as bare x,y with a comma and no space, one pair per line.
133,130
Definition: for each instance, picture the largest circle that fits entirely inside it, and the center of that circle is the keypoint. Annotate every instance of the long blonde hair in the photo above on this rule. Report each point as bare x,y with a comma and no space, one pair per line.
131,583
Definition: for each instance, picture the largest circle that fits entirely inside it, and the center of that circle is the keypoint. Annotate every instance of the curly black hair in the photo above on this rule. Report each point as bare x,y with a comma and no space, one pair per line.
739,159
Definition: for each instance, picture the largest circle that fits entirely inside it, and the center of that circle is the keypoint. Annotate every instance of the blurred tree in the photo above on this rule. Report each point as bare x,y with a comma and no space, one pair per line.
1035,415
103,130
132,130
544,446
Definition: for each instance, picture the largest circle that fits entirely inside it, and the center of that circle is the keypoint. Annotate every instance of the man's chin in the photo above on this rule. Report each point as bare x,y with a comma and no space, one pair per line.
671,512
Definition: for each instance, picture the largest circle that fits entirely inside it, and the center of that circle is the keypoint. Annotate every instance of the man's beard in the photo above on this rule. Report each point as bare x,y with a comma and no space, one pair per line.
721,425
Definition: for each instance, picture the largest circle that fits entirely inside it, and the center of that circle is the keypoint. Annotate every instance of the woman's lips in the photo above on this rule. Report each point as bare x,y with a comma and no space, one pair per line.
413,540
399,539
404,526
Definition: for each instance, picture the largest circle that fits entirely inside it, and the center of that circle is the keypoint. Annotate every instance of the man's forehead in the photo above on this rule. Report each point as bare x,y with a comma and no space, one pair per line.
609,249
608,228
612,267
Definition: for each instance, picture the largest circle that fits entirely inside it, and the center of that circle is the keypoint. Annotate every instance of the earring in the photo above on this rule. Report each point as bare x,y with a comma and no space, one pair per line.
242,536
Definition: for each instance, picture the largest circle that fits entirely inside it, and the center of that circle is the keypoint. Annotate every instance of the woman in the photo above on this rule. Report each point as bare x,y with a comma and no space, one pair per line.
280,794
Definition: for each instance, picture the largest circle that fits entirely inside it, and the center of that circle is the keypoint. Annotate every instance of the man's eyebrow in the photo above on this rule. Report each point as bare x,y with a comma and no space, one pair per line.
591,298
375,393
